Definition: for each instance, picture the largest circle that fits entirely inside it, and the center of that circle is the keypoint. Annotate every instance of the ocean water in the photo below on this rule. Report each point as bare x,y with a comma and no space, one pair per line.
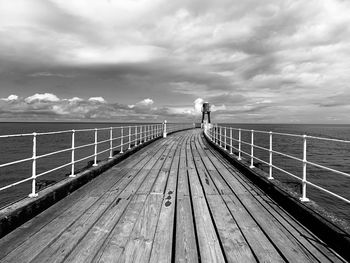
330,154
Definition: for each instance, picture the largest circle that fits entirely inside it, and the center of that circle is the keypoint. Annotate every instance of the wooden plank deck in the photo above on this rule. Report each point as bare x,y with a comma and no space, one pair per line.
176,200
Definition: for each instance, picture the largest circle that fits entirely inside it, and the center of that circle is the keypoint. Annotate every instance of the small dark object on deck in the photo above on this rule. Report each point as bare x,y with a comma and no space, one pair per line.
117,201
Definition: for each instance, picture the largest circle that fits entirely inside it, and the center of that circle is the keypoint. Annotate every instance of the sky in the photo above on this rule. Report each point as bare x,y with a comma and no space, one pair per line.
272,61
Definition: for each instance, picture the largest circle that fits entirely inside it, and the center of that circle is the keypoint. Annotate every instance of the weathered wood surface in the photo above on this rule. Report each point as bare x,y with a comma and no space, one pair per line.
176,200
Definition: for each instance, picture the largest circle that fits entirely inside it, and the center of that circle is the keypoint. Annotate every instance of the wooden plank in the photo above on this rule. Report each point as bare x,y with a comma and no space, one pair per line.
139,245
160,183
183,187
115,244
163,240
185,243
263,249
61,248
207,183
235,246
155,166
208,241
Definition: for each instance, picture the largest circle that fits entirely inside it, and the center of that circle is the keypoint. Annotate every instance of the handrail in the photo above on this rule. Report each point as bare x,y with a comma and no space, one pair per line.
218,134
129,136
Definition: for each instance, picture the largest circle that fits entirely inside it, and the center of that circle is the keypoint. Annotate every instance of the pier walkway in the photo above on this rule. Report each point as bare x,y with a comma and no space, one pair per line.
175,200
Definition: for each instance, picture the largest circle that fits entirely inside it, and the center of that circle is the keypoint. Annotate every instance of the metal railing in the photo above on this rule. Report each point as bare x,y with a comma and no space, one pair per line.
127,136
223,137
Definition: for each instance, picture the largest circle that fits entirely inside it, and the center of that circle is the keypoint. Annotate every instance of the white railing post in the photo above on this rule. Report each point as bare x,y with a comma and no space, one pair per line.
136,135
217,134
252,150
129,147
214,128
270,155
34,194
225,138
147,133
220,131
164,129
72,174
239,144
121,139
95,154
141,134
231,141
304,181
110,143
213,133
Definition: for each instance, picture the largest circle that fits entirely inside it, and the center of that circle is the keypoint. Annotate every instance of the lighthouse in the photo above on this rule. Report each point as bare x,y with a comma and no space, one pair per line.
206,110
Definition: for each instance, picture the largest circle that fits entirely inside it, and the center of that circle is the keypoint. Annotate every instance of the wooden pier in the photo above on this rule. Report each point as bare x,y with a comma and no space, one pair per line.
176,200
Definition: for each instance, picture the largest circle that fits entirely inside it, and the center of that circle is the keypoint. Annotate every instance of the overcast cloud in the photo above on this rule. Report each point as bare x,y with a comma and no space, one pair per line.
255,61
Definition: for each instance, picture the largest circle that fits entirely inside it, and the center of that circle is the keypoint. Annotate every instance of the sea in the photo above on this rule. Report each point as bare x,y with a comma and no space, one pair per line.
327,153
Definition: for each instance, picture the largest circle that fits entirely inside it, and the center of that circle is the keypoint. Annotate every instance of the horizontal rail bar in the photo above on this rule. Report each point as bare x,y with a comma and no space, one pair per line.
16,162
54,169
329,192
53,153
16,183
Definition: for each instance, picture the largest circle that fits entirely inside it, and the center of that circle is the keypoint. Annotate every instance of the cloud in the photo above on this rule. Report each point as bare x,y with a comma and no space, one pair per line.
45,97
75,100
97,99
198,105
145,103
49,74
48,106
10,98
